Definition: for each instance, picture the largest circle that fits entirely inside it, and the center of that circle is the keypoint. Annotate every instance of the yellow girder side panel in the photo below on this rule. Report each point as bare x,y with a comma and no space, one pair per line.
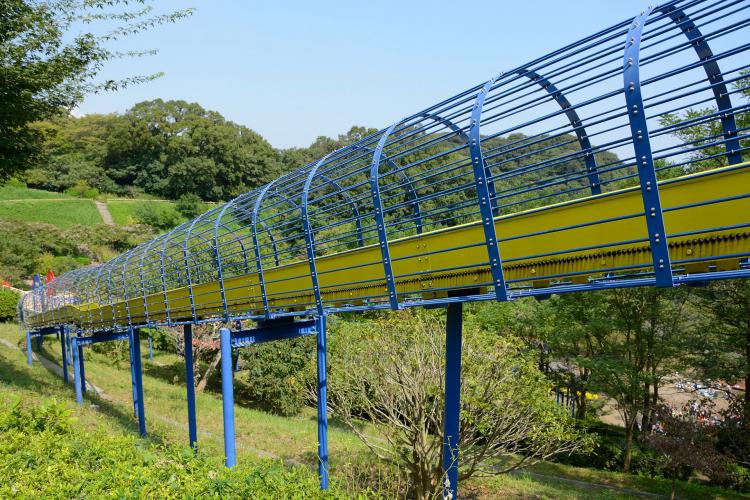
534,244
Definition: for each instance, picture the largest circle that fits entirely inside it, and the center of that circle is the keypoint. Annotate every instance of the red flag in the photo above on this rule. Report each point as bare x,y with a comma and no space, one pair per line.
50,278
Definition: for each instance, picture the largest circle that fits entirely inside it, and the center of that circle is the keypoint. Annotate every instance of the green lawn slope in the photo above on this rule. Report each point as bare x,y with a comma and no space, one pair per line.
93,458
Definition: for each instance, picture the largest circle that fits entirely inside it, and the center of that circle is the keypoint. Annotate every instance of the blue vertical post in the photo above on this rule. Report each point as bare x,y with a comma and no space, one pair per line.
227,396
68,345
150,350
190,383
322,414
76,371
131,341
138,382
82,367
452,400
29,357
63,335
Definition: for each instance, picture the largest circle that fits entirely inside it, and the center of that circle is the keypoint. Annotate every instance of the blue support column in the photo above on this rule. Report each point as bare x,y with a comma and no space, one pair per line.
227,396
29,357
63,336
150,350
452,400
76,371
190,383
138,383
131,341
322,402
69,346
81,367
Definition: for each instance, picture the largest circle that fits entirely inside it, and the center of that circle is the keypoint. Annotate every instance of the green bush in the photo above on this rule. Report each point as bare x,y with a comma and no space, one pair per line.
273,374
8,303
161,218
189,205
43,455
81,189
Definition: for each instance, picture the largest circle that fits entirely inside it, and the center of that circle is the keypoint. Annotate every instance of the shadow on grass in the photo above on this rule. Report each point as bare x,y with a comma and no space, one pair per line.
172,373
21,378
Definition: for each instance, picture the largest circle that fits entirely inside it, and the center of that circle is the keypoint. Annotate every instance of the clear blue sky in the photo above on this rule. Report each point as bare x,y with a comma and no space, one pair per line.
294,70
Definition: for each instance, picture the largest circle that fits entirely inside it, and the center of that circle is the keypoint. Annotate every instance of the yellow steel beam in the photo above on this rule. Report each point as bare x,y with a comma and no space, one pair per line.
572,240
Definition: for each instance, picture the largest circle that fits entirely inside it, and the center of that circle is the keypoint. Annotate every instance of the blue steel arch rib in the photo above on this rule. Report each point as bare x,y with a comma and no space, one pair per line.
265,227
411,193
575,122
488,171
145,250
481,177
715,78
217,254
188,274
352,204
644,157
167,239
310,237
128,255
385,251
110,286
258,261
96,294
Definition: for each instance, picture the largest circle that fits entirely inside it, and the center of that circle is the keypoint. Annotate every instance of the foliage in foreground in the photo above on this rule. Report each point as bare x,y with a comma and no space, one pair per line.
43,454
392,373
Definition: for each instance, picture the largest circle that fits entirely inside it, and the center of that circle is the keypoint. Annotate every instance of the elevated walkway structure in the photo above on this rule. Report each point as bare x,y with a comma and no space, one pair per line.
616,161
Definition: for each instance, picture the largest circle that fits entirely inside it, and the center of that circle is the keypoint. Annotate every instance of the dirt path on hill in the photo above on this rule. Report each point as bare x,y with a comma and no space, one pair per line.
104,212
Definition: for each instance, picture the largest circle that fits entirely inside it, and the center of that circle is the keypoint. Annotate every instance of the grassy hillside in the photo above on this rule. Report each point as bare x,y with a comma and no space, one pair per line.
124,211
107,422
10,192
60,212
35,205
53,449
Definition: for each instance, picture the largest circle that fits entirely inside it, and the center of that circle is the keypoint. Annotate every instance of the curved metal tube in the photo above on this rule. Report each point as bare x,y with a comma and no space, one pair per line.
217,255
715,78
350,201
380,220
575,122
481,177
258,261
185,254
310,237
657,233
460,133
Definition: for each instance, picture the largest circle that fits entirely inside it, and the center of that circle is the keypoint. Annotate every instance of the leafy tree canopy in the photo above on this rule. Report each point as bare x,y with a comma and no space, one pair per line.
44,70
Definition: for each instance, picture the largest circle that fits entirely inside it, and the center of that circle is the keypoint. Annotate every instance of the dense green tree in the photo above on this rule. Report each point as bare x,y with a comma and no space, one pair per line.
170,148
73,151
294,158
46,69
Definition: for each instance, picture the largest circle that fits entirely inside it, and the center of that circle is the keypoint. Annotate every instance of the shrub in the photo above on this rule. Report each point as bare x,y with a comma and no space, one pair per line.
81,189
8,303
161,218
44,456
189,205
274,374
